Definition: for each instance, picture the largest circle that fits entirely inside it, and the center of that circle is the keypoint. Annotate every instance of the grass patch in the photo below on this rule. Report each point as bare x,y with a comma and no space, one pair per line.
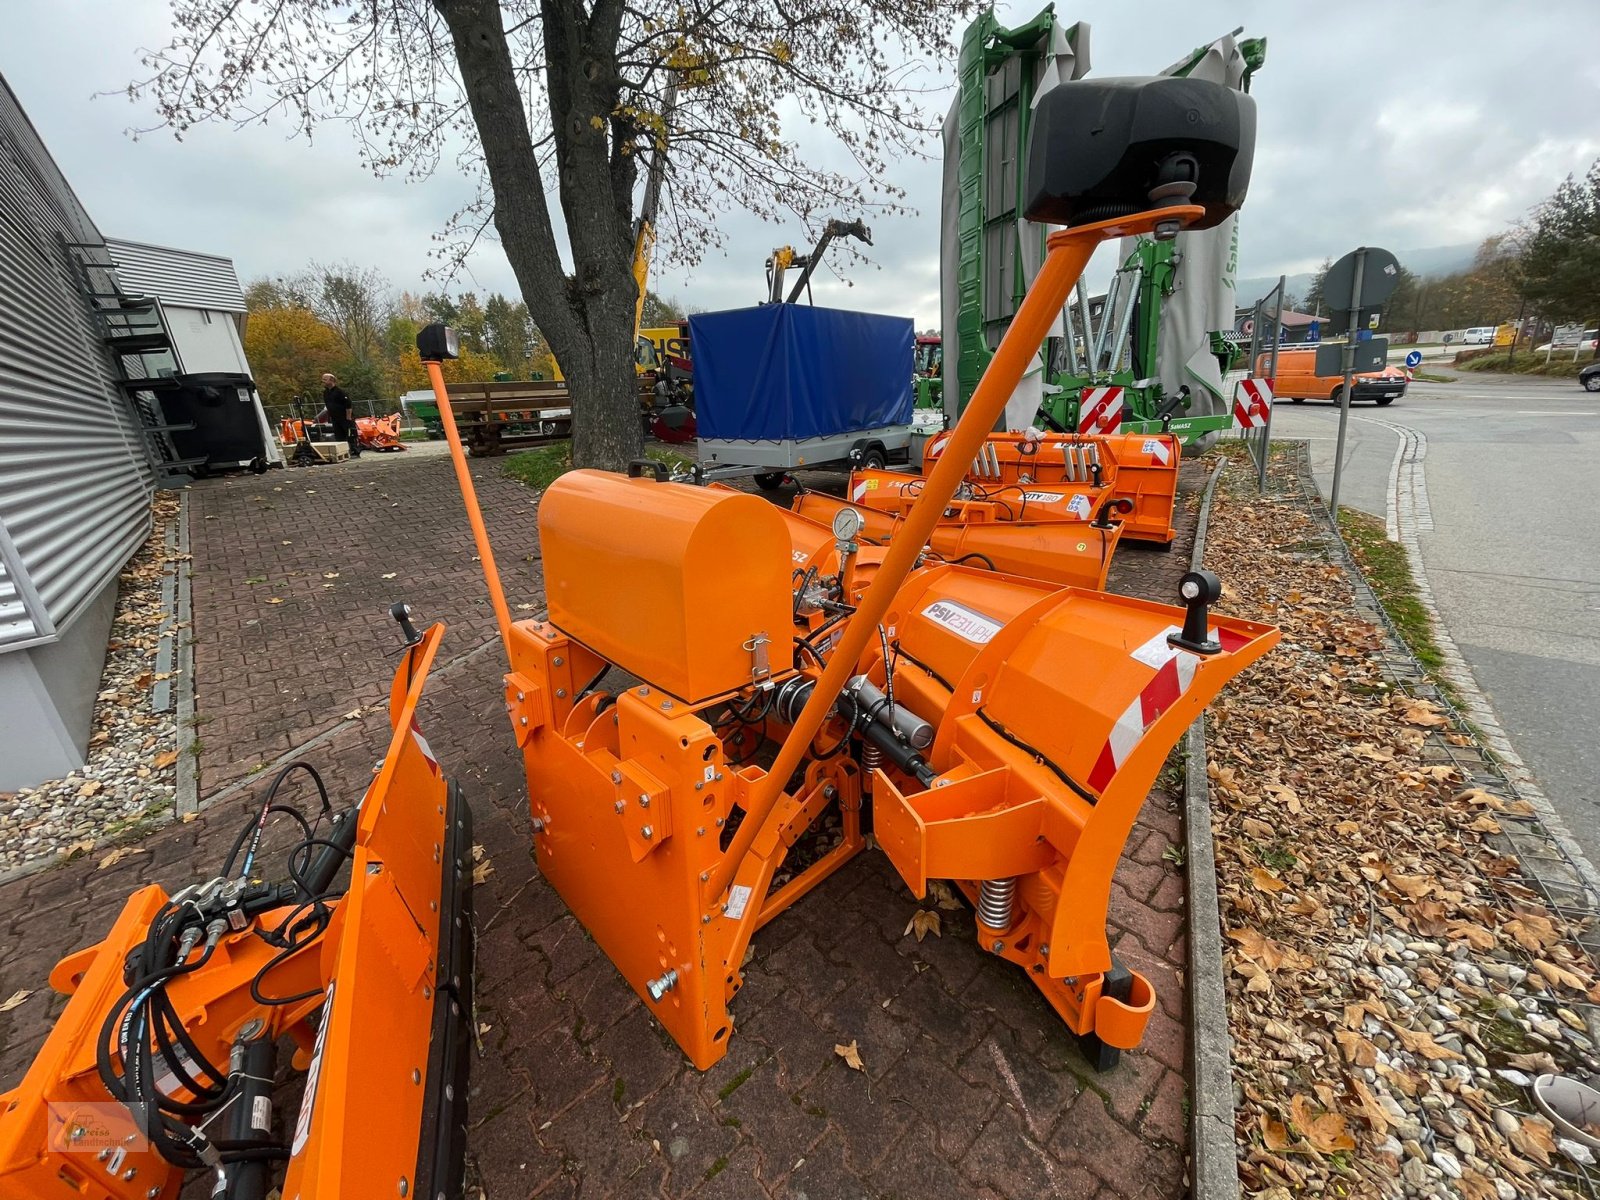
1430,377
1388,572
737,1082
1530,362
414,435
717,1167
618,1090
542,467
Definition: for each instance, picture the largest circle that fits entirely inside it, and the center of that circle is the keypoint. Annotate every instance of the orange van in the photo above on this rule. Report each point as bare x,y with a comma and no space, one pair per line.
1297,379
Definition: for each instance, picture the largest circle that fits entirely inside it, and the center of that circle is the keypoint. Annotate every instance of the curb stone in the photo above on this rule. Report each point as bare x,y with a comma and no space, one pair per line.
188,796
1215,1167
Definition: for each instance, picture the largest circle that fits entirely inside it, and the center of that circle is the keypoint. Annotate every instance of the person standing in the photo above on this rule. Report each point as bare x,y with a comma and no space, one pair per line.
338,406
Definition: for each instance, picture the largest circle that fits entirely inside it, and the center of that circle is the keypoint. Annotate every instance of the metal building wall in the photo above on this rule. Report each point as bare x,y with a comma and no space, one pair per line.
181,278
75,479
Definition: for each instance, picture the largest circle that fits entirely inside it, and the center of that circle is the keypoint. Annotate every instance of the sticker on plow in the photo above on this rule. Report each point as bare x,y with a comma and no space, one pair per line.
1078,506
1042,497
738,899
962,621
302,1124
1157,652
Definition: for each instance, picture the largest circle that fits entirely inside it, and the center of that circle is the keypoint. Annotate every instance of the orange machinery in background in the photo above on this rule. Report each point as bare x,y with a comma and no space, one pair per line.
711,684
163,1061
1049,477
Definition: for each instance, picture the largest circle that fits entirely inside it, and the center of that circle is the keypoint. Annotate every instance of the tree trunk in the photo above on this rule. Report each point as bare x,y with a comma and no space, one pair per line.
607,430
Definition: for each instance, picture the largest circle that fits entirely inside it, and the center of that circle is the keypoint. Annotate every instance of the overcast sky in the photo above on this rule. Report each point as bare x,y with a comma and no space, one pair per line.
1435,126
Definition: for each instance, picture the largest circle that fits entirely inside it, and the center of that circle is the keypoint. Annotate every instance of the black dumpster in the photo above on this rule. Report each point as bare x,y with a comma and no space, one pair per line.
221,406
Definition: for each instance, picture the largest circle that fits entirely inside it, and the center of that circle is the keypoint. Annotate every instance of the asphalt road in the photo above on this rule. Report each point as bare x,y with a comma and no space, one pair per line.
1512,473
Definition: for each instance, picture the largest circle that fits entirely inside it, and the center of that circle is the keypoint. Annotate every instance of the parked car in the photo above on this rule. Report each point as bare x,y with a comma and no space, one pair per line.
1589,377
1297,380
1586,343
1479,335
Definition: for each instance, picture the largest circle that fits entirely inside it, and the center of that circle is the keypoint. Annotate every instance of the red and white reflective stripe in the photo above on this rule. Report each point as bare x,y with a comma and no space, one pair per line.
1168,684
1100,410
1252,401
1158,449
1174,672
935,447
858,490
422,745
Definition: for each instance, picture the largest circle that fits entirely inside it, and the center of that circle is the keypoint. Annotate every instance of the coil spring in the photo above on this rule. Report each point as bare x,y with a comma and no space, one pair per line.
994,903
871,758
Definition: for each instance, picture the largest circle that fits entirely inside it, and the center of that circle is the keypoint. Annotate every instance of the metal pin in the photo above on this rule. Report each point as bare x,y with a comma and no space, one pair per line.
558,660
647,833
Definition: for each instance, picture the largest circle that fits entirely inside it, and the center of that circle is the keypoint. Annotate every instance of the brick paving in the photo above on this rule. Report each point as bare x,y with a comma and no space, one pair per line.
971,1088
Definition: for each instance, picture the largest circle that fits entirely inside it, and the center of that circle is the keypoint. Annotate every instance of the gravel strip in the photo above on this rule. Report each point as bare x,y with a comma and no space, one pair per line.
131,772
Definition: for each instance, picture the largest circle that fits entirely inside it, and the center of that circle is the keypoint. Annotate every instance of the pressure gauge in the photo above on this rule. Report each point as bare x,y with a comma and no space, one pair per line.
847,523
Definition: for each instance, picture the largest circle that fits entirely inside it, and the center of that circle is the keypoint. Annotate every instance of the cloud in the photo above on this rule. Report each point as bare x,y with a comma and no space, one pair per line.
1439,125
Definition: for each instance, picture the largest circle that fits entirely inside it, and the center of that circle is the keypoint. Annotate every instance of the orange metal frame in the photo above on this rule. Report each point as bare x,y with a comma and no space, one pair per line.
60,1133
665,844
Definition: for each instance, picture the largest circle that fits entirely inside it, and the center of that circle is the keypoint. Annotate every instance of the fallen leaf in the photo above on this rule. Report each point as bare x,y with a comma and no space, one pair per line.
18,997
851,1055
1266,881
91,788
1420,1042
481,872
923,922
275,600
165,759
1328,1132
353,713
1358,1051
1274,1133
120,853
190,817
1371,1109
391,574
330,574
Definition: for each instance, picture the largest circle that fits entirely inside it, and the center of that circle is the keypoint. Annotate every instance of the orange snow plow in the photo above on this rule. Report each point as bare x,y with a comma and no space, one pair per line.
718,680
1036,476
358,949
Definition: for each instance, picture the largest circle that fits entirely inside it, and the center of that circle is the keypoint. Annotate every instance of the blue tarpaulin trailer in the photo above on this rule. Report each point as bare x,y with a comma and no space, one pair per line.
780,386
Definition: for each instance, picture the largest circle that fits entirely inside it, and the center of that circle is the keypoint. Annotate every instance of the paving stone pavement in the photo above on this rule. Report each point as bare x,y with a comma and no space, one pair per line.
971,1087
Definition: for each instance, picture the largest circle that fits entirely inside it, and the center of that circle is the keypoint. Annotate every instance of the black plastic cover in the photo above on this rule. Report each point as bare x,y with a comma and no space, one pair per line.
1099,147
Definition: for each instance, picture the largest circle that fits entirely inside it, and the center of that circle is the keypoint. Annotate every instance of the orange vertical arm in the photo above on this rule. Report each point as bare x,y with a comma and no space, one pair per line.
469,497
1069,252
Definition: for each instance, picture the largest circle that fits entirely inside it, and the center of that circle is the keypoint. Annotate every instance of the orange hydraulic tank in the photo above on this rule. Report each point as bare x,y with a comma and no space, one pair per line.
671,583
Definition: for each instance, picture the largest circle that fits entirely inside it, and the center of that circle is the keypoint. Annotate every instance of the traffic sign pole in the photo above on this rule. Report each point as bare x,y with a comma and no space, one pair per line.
1344,391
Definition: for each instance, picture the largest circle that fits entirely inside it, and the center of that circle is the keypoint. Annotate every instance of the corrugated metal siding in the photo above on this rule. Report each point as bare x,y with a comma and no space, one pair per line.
75,481
179,278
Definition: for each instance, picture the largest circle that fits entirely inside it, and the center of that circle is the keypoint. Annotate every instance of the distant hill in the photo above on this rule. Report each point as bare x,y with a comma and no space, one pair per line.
1429,264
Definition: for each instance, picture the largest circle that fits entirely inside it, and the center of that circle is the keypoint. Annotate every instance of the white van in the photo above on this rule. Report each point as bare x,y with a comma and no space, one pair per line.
1479,335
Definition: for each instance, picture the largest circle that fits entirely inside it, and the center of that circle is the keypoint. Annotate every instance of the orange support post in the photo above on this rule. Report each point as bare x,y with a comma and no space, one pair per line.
1069,252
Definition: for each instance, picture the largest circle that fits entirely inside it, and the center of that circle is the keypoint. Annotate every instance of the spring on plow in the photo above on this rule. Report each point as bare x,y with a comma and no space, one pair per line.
994,902
871,759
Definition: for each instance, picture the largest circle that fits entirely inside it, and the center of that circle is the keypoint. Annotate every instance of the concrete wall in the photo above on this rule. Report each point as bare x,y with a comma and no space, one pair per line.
49,696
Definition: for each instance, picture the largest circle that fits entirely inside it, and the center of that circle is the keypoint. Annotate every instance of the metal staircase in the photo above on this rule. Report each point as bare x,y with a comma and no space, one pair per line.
134,332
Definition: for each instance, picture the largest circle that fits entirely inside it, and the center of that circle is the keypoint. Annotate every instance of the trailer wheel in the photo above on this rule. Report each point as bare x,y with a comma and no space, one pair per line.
258,466
875,459
769,481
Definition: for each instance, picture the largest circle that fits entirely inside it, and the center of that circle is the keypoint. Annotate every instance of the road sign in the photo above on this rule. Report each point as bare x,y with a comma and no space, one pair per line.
1414,359
1379,276
1378,280
1371,355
